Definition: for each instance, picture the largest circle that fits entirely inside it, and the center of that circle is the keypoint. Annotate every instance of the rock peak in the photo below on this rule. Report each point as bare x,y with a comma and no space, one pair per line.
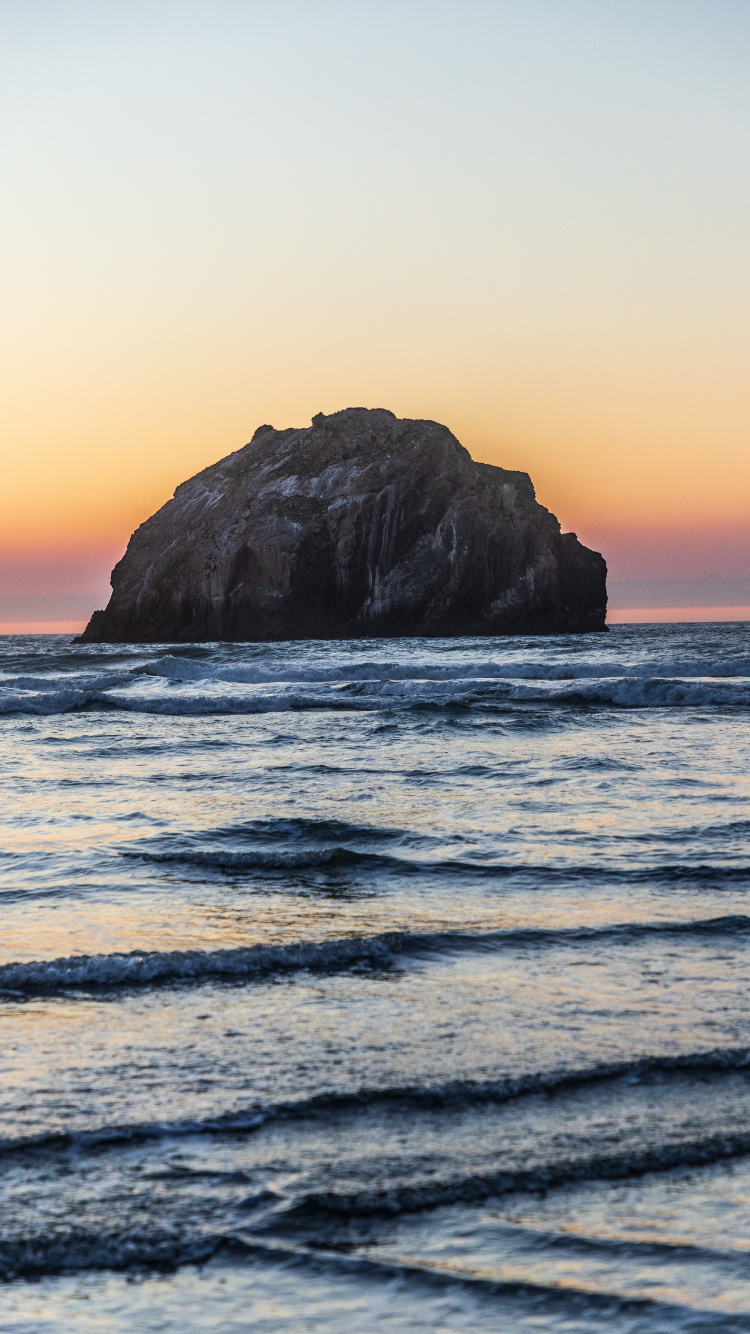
362,524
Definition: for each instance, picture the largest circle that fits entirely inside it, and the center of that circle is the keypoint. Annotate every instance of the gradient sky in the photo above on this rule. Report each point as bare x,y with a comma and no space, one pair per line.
528,219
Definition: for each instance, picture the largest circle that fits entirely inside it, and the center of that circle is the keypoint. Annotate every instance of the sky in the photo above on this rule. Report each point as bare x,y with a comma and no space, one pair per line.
527,219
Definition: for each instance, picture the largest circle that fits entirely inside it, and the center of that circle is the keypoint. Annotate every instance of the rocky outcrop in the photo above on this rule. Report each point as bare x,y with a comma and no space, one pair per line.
358,525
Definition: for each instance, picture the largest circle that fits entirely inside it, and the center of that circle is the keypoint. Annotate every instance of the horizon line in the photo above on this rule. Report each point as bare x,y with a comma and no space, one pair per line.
616,616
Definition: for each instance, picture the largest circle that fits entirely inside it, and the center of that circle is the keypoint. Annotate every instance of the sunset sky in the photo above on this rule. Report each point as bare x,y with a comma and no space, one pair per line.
527,219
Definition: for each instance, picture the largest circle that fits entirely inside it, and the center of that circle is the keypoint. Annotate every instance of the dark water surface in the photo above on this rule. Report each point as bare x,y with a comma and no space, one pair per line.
398,985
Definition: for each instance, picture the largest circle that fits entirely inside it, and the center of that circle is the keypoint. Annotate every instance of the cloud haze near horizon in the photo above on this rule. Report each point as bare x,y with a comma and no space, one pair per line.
524,219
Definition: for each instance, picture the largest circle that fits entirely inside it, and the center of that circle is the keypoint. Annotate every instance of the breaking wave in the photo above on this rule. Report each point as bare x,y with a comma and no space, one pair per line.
263,673
176,685
139,968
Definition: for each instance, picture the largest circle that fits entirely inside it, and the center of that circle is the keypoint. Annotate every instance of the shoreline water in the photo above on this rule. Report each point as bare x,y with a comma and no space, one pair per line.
389,985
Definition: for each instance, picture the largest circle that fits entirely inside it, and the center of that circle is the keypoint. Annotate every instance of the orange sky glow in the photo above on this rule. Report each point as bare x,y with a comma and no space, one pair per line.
526,223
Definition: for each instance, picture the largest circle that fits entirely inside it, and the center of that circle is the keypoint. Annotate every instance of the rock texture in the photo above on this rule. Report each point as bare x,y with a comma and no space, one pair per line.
358,525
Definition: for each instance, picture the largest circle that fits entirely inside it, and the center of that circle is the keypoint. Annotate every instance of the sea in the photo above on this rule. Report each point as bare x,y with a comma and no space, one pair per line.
380,985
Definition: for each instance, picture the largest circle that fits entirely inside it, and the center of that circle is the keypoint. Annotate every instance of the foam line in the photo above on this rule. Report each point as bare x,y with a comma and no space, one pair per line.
139,968
193,688
148,968
276,672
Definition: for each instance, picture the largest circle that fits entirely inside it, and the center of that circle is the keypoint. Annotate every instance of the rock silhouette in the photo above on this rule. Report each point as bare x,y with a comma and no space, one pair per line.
359,525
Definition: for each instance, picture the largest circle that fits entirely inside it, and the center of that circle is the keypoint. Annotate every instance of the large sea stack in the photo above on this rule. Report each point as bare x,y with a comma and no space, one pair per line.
359,525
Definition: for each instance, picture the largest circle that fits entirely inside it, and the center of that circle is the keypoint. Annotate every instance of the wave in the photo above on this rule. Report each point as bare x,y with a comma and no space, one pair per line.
280,846
35,1257
139,968
655,692
411,1099
637,693
79,1249
565,1298
477,1187
163,1251
267,859
189,686
242,862
58,692
369,672
76,699
144,968
50,701
54,680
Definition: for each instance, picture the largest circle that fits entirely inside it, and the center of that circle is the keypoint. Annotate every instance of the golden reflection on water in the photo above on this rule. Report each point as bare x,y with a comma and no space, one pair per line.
232,915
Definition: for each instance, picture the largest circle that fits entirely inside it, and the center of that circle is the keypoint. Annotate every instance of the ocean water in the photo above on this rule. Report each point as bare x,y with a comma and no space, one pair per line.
376,986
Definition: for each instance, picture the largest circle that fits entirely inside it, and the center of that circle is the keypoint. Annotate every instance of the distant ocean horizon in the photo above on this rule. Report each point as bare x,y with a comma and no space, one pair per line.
616,615
631,601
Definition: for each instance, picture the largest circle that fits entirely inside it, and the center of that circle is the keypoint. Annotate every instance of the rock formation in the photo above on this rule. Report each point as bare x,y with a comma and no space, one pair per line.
358,525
